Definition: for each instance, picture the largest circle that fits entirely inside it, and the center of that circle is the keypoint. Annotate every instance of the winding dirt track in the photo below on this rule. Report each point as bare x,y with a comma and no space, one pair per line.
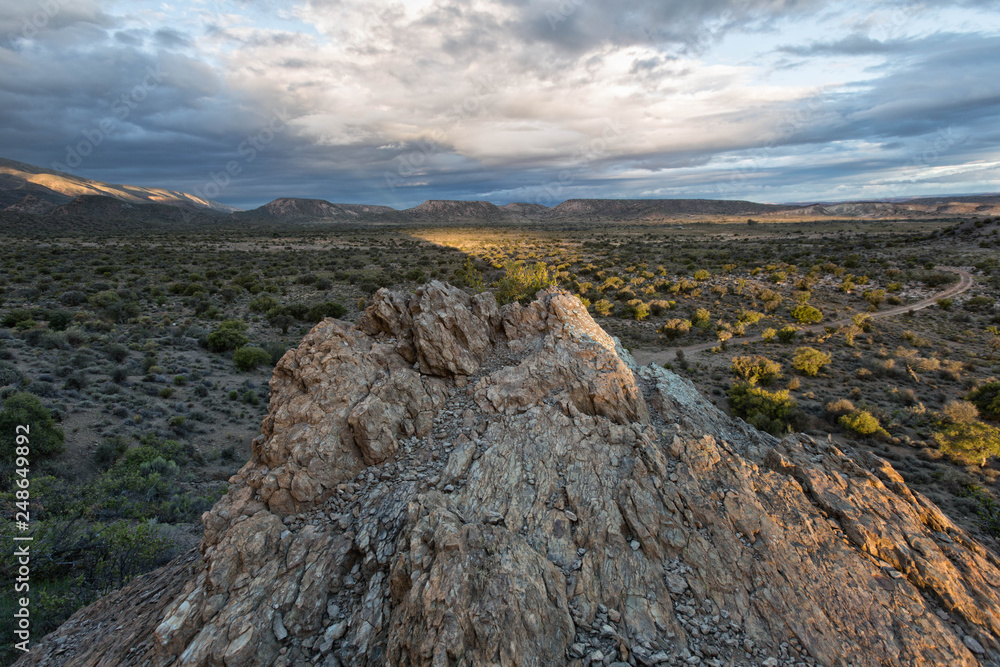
644,357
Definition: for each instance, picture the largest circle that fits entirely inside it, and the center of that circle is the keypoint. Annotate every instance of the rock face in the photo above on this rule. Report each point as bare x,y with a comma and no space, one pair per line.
450,483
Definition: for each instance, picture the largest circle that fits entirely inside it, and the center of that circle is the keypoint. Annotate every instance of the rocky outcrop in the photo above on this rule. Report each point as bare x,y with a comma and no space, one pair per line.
450,483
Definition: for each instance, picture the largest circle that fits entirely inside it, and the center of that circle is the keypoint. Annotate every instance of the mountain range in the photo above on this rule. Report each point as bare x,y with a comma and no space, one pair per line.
30,191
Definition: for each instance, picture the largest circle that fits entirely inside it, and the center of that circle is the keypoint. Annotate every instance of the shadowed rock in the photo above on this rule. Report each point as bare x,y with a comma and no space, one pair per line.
450,483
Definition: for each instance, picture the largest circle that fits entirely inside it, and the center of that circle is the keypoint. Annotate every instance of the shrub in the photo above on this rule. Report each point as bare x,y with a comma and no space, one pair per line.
875,297
109,451
788,334
756,370
809,361
987,399
863,423
116,352
636,308
674,329
520,283
248,358
660,306
806,314
72,298
976,303
839,407
768,334
276,349
16,316
701,318
228,336
9,374
321,311
769,411
702,274
603,307
960,412
973,442
44,437
470,276
263,303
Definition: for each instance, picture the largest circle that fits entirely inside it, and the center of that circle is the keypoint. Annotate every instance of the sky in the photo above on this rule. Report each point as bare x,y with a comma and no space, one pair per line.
534,101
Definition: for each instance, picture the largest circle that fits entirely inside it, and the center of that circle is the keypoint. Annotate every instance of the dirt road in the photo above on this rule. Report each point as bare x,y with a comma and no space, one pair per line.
644,357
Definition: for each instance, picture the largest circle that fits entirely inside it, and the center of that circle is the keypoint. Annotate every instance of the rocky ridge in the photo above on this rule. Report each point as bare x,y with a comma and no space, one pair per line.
451,483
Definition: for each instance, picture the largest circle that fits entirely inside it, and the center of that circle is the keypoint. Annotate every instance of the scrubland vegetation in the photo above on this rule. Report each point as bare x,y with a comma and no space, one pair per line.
142,360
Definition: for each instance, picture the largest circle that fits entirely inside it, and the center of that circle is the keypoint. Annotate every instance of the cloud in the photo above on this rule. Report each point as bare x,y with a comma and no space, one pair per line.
396,102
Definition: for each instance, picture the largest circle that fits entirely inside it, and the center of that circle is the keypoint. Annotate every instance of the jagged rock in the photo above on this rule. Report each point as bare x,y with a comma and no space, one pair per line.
588,512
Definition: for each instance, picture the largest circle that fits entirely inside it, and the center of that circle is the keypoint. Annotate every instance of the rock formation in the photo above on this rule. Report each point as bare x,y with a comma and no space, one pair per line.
450,483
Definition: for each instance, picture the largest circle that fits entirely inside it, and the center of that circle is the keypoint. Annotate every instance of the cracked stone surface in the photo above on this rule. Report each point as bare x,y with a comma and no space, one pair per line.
453,483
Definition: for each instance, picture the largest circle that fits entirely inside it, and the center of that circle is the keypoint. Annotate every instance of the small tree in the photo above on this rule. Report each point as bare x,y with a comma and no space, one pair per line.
44,437
809,361
973,442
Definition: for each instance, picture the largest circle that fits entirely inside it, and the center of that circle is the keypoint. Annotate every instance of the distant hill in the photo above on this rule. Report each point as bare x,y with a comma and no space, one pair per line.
291,209
18,179
624,209
986,205
450,210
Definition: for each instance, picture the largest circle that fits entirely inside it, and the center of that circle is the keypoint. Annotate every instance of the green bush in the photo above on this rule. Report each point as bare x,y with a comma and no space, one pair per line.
109,451
228,336
603,307
520,283
674,328
263,303
636,308
809,361
756,370
788,334
770,411
702,318
45,439
9,374
321,311
973,442
986,398
248,358
863,423
806,314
